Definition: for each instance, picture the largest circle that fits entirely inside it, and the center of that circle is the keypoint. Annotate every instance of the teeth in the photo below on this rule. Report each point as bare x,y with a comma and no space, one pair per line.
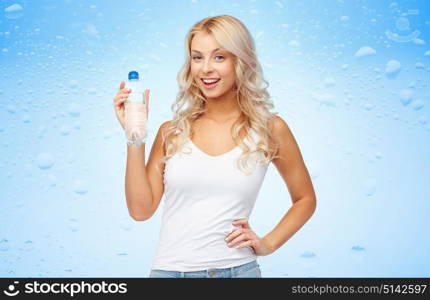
210,81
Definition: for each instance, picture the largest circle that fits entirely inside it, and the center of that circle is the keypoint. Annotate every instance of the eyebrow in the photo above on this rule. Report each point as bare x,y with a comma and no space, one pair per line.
212,50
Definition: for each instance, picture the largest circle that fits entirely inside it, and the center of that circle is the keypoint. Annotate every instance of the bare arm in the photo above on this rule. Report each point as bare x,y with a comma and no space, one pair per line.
144,185
138,190
294,173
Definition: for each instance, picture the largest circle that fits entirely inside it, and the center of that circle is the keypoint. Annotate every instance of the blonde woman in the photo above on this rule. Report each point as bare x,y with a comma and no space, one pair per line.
209,161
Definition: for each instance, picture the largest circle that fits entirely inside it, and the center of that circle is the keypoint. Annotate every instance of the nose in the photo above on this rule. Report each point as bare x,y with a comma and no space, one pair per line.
207,66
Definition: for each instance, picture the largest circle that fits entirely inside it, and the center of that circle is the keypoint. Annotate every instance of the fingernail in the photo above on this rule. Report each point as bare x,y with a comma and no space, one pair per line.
226,238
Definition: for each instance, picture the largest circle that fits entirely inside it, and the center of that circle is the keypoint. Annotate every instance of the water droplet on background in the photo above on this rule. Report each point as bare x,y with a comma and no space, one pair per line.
45,161
294,44
71,157
308,254
26,119
4,246
418,41
77,125
80,187
378,155
73,84
65,130
365,51
11,109
15,11
392,69
107,134
405,96
417,104
423,120
368,106
74,110
41,131
29,245
52,180
369,187
419,66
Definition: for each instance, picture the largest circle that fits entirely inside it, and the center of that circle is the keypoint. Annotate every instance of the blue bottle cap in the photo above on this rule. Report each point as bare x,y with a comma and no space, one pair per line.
133,75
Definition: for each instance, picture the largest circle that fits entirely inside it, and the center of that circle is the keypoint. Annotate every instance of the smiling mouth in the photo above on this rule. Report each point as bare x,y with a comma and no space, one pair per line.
210,80
210,84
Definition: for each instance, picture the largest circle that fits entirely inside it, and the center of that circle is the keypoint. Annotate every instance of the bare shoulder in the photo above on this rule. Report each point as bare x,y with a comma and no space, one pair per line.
161,133
284,138
277,125
280,129
165,125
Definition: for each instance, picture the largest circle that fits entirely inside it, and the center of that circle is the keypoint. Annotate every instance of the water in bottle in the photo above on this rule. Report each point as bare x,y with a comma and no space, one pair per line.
135,111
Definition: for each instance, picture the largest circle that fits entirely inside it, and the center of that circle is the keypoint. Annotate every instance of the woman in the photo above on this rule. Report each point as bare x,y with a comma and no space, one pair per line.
210,160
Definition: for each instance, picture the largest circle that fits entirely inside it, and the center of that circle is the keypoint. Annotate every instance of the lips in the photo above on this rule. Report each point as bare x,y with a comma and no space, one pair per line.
212,84
210,79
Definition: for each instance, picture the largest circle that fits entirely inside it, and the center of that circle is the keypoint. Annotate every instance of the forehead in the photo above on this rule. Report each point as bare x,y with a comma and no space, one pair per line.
204,42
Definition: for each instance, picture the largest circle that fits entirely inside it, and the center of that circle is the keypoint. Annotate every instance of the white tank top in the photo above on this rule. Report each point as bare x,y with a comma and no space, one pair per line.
203,195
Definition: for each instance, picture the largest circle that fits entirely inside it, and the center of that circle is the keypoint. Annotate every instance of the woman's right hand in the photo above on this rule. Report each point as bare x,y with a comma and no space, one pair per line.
119,100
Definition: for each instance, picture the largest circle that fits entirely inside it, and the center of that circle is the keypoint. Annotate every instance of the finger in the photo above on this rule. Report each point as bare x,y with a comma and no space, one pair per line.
146,98
123,95
124,91
121,85
117,114
240,238
234,234
248,243
243,222
120,97
118,101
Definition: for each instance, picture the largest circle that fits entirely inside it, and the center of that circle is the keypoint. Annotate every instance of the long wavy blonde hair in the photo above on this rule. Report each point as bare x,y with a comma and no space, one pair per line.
252,98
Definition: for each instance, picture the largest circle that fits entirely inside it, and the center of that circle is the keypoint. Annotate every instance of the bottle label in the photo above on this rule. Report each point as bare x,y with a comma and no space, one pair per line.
137,92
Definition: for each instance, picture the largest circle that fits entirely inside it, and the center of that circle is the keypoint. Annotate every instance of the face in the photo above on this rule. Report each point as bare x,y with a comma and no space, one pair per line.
212,67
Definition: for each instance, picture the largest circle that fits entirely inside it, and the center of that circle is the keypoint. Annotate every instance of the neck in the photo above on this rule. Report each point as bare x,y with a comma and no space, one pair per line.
222,108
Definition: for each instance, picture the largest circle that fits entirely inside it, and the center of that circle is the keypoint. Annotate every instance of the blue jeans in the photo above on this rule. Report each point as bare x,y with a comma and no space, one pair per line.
248,270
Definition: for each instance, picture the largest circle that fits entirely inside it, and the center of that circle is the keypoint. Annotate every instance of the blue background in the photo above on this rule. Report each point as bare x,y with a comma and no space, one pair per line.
360,116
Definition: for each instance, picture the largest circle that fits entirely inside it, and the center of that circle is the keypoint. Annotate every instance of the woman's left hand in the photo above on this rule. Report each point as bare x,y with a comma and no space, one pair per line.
246,237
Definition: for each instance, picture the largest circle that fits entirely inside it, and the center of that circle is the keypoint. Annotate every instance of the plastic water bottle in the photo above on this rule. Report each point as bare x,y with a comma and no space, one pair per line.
135,111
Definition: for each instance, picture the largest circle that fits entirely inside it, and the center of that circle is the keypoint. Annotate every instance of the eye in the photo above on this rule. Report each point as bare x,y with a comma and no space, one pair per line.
196,57
219,57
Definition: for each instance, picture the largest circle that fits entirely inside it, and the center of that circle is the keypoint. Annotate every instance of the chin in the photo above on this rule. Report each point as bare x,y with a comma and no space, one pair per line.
213,94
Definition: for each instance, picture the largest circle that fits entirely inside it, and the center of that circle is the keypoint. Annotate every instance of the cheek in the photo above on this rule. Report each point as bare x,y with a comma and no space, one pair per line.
194,70
230,77
229,72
